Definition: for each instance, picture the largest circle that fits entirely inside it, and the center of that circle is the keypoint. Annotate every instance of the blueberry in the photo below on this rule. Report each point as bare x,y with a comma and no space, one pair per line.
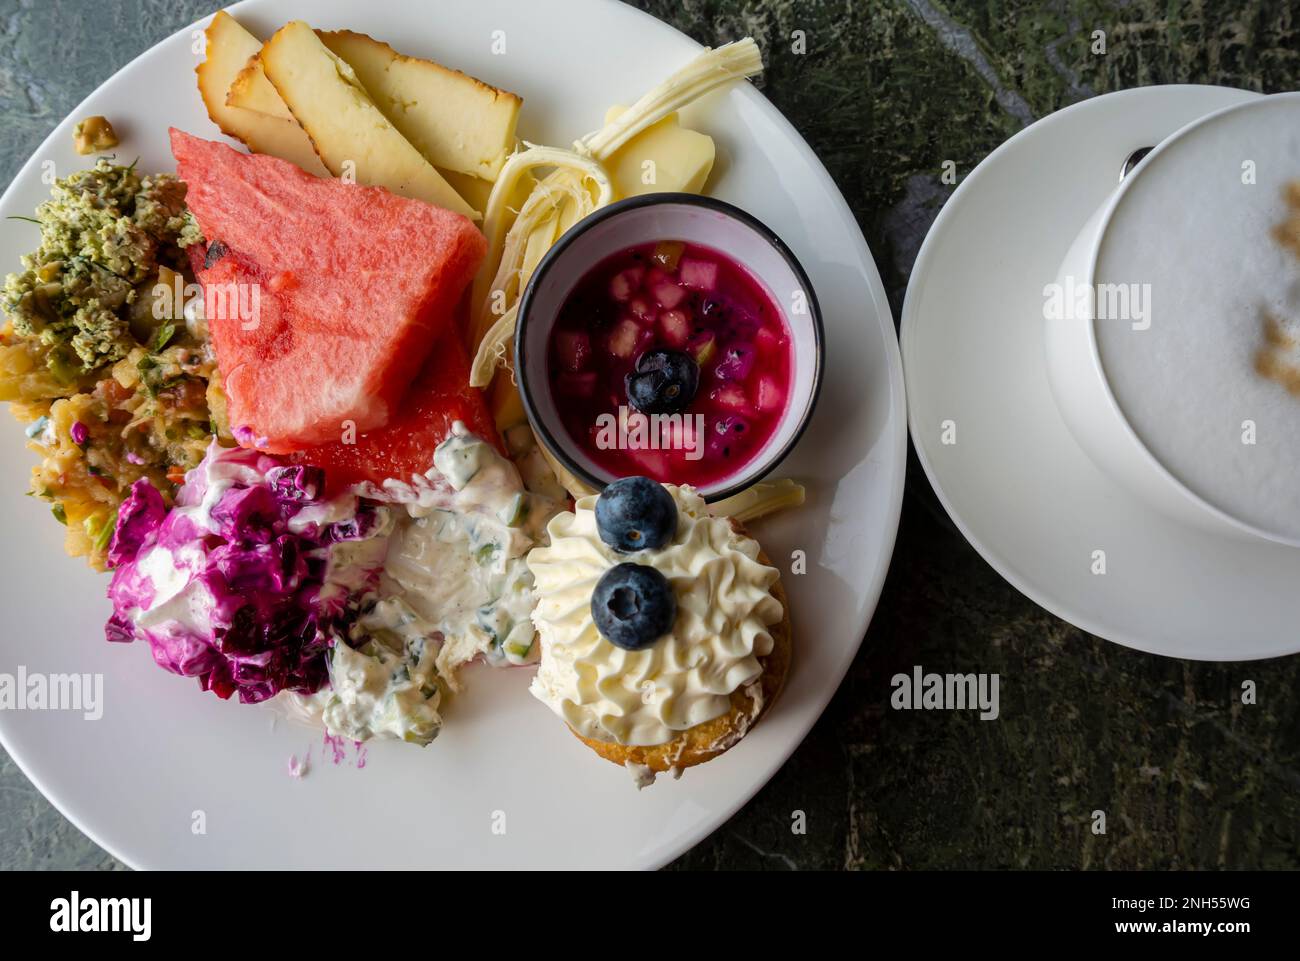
635,514
643,390
664,382
633,606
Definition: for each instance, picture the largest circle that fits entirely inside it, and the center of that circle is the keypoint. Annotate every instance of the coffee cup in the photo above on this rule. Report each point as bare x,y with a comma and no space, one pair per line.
1172,329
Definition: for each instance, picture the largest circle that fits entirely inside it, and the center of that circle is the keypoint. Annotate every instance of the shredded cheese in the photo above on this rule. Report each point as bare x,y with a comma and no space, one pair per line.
576,186
763,498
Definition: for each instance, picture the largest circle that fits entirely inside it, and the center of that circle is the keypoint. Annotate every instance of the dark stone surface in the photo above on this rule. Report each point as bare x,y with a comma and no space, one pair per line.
886,92
1187,775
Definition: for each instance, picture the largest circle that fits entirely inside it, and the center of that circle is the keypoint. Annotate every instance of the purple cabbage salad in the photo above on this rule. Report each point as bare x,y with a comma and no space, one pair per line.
249,580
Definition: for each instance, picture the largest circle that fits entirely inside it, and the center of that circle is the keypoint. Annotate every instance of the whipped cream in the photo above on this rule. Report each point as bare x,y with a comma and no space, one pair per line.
725,608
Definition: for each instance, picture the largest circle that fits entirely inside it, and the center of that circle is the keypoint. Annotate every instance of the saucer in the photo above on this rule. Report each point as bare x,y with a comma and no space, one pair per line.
986,426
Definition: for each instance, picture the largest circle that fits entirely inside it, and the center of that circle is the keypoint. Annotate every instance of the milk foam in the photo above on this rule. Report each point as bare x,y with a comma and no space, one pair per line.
1191,385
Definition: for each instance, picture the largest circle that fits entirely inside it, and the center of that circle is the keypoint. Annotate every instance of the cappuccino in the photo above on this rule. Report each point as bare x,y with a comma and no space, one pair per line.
1209,380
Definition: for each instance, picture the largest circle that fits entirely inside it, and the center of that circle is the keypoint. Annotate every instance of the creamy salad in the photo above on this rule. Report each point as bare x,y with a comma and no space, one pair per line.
454,586
355,610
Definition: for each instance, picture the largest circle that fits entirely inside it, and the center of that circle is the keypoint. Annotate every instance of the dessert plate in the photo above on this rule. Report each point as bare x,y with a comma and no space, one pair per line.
1014,481
170,777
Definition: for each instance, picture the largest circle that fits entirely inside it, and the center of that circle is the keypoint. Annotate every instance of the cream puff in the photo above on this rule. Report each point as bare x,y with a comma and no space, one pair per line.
665,632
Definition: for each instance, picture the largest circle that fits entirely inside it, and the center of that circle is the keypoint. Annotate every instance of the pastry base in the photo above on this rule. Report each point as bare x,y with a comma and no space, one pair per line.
748,704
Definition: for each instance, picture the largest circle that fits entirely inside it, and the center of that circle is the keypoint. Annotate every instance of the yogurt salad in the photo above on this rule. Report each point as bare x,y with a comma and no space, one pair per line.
355,611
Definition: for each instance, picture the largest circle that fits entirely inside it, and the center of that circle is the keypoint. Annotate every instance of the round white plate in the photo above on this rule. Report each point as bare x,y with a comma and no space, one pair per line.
1015,482
172,777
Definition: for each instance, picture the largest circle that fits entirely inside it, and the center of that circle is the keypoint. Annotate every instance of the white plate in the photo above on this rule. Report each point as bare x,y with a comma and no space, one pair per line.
163,750
1016,483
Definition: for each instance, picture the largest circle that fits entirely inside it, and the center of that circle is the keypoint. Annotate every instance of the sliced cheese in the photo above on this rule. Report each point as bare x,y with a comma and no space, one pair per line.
577,488
506,404
350,134
229,47
456,122
475,190
252,91
664,157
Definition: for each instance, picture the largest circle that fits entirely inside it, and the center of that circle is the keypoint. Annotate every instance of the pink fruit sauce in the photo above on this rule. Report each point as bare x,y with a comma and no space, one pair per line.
682,297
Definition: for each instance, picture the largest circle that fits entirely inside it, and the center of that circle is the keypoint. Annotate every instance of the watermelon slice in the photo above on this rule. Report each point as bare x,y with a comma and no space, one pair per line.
440,396
342,292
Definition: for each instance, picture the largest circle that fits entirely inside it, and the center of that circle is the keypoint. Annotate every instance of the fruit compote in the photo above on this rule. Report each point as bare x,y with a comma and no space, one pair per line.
670,360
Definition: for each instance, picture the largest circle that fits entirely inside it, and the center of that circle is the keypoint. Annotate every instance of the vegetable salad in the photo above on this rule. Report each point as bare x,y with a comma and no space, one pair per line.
99,355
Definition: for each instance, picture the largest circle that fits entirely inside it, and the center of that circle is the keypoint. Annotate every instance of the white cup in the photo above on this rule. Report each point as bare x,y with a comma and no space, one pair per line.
1083,390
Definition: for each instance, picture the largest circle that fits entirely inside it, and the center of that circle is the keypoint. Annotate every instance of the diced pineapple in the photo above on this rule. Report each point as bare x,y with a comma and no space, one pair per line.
653,463
641,310
767,341
676,327
703,346
668,294
623,339
625,283
698,274
770,396
731,397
